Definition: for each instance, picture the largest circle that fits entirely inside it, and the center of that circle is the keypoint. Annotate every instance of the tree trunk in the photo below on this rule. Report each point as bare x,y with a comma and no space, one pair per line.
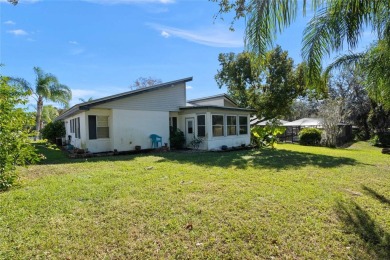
39,115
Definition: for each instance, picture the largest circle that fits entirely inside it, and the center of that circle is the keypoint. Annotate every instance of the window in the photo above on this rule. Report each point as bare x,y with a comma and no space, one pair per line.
190,127
102,127
201,120
243,120
75,126
98,127
217,125
172,125
77,130
71,126
231,125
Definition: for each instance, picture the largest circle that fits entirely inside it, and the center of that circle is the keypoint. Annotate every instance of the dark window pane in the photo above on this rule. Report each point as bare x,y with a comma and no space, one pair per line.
243,130
243,120
92,127
217,120
201,131
190,128
174,123
201,120
217,130
78,128
231,130
231,120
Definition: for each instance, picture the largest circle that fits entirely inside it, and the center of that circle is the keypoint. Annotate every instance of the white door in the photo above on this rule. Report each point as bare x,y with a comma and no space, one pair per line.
190,130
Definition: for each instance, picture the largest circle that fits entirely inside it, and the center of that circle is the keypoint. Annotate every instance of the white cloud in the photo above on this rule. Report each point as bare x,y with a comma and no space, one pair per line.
165,34
113,2
214,36
73,42
9,22
18,32
76,51
189,87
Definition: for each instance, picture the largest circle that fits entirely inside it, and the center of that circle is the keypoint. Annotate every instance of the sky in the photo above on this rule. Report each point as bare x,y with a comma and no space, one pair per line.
100,47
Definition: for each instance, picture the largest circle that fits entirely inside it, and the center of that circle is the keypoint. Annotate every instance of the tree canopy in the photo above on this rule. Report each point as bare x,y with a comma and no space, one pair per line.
269,87
47,87
336,25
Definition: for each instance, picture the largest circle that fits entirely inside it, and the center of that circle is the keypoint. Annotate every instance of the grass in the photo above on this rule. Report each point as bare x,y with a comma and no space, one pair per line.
294,202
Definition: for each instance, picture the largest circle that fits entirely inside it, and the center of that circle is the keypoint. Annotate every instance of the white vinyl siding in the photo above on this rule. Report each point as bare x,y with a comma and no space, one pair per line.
164,99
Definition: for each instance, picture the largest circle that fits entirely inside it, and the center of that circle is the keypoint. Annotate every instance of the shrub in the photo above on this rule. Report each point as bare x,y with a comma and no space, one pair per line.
177,139
267,135
53,130
310,136
15,146
381,139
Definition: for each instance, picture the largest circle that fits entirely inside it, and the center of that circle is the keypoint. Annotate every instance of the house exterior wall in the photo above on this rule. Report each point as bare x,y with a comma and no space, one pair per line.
79,141
211,142
133,127
217,101
164,99
100,144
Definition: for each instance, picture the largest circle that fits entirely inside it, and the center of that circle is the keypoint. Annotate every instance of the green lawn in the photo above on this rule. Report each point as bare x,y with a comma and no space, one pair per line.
294,202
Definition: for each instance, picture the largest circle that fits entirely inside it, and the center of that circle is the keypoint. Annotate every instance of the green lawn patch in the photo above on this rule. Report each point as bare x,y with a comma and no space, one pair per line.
295,202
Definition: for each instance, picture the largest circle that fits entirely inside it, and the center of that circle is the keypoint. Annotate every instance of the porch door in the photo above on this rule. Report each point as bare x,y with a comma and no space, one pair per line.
190,130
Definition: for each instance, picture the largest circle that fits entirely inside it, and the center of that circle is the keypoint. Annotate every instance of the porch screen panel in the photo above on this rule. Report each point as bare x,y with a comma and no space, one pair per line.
217,121
78,127
243,125
92,127
201,120
231,125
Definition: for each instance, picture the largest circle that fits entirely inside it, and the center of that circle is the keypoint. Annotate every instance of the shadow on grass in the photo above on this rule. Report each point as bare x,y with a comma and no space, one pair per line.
264,158
57,156
357,220
376,195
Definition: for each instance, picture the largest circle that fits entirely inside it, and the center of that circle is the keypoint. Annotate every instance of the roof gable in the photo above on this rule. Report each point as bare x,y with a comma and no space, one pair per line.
216,100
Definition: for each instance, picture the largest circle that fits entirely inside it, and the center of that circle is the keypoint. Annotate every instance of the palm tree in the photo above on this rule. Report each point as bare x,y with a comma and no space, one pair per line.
336,24
47,87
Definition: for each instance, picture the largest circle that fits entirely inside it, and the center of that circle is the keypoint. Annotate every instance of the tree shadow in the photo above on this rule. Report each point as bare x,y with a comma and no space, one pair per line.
376,195
357,220
56,156
264,158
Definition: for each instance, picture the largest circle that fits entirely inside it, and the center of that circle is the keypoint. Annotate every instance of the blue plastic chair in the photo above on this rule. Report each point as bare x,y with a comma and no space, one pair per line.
156,139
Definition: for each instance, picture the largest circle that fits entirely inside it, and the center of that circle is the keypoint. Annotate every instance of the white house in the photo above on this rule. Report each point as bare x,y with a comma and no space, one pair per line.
126,120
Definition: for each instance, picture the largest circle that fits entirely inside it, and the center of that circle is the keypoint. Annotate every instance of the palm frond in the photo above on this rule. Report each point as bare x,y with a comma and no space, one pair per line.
344,60
265,19
60,93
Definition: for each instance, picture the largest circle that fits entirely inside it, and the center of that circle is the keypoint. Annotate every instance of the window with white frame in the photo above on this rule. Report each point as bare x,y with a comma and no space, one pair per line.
218,125
243,124
231,125
98,127
75,126
201,123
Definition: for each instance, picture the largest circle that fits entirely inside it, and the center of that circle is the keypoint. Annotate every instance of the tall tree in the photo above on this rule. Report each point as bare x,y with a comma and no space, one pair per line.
239,73
335,24
47,87
142,82
49,113
270,88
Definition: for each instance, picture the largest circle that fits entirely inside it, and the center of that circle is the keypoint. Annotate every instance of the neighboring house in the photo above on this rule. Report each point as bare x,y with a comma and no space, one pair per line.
126,120
294,127
257,122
